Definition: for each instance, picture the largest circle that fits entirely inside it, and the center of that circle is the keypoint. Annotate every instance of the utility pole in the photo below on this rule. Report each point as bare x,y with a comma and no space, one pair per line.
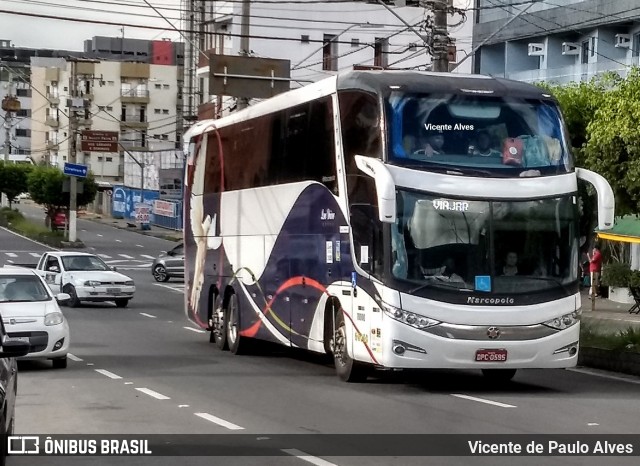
440,34
9,104
73,124
243,102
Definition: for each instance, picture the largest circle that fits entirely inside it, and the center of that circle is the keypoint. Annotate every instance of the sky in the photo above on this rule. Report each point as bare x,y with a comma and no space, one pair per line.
26,31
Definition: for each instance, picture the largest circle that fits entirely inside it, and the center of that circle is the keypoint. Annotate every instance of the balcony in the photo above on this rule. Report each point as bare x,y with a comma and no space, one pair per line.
53,99
51,121
134,144
575,73
133,121
134,96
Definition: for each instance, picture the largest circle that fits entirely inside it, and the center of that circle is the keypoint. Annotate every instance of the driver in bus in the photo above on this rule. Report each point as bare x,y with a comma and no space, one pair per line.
430,144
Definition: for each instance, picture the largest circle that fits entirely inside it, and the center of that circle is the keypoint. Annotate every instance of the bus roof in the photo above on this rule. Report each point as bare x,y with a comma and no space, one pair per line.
379,82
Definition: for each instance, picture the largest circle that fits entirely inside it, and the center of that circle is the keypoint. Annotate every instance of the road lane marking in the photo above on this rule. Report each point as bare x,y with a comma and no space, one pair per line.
118,241
11,254
169,287
99,235
90,364
10,261
73,357
105,256
128,383
482,400
592,424
147,256
147,315
156,395
140,245
35,254
111,375
183,406
125,256
605,376
220,422
197,330
306,457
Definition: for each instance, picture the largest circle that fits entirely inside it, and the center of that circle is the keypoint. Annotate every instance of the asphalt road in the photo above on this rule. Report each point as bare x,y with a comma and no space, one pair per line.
146,370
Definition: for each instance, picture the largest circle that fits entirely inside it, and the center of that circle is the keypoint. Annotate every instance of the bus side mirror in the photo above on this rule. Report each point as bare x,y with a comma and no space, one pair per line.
385,186
606,199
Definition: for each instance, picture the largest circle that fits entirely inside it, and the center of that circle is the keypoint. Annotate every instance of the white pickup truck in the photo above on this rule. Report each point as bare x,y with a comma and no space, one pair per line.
84,277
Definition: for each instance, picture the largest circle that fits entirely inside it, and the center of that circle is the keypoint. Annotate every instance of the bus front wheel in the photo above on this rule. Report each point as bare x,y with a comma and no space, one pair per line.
237,343
499,375
347,369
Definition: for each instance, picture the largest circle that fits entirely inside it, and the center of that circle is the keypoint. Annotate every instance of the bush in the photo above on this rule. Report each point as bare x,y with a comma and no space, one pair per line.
621,340
616,274
15,221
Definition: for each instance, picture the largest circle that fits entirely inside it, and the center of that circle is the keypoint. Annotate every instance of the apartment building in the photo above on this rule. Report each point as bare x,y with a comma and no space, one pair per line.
137,100
557,41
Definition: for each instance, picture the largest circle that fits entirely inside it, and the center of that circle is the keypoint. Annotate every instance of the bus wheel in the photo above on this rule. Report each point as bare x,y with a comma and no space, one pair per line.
499,375
237,343
347,369
218,334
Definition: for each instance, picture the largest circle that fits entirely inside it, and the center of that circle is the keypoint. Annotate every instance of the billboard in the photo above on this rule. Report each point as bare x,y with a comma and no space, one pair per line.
170,183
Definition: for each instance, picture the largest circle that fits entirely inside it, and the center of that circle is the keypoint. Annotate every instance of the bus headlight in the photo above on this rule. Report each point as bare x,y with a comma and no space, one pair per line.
564,322
410,318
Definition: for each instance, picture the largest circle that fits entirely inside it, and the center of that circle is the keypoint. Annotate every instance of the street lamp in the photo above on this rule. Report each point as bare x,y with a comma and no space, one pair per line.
324,44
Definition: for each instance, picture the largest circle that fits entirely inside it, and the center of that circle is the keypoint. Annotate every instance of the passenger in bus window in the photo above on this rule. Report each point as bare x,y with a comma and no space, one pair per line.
511,264
430,144
483,145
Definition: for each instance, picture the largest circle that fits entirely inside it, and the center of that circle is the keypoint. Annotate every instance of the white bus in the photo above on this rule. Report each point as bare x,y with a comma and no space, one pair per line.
393,219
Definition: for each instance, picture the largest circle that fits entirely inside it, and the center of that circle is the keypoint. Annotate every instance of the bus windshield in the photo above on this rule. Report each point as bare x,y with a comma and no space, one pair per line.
505,247
494,136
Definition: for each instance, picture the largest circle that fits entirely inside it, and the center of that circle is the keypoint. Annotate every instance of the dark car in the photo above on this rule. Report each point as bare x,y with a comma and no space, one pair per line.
169,264
11,349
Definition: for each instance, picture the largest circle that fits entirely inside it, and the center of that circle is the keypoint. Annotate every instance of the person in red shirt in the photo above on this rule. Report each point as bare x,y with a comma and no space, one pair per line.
595,267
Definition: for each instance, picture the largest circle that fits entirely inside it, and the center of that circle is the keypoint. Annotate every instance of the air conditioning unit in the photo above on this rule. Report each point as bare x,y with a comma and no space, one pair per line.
623,41
535,50
570,48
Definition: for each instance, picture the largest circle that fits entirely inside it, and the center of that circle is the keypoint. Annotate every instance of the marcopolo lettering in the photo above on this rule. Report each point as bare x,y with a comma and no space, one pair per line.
498,301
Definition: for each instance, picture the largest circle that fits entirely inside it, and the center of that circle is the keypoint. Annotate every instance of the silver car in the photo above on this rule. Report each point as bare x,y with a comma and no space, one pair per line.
169,264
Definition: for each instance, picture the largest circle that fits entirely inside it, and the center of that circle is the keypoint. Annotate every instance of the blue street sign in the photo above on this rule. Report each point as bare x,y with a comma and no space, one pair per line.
75,169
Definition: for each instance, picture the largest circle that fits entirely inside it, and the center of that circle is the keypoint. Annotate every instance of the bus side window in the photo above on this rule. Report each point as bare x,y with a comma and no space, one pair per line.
367,238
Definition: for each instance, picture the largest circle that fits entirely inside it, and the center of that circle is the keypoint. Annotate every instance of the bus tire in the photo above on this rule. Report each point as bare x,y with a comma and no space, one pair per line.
499,375
347,369
237,343
218,330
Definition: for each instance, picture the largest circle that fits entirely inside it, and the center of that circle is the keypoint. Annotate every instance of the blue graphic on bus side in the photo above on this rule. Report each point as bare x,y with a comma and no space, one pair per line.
483,283
353,279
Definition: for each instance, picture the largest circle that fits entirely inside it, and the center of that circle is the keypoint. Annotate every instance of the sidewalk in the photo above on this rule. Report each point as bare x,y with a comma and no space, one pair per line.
127,224
608,314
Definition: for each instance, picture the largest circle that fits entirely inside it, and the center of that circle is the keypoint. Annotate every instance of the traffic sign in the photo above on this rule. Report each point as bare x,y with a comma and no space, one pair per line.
99,141
75,169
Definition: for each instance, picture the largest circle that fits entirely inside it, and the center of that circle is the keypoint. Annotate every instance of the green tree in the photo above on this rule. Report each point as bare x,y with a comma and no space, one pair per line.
13,179
46,186
613,141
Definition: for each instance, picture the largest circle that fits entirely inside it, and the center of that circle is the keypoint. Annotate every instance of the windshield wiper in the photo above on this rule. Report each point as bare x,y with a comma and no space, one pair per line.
441,281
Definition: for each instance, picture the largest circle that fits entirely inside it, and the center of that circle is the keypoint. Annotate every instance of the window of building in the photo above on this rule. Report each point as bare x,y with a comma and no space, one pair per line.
23,92
635,51
156,111
413,47
23,133
330,53
100,108
111,83
585,52
25,112
165,137
593,46
158,86
64,157
165,111
99,158
109,159
109,108
355,42
304,38
166,86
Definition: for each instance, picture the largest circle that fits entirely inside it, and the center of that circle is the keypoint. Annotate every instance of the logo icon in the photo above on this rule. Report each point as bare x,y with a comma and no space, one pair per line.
493,333
23,444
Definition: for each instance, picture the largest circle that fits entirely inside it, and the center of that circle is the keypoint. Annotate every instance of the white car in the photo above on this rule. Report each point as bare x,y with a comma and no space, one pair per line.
30,310
85,277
